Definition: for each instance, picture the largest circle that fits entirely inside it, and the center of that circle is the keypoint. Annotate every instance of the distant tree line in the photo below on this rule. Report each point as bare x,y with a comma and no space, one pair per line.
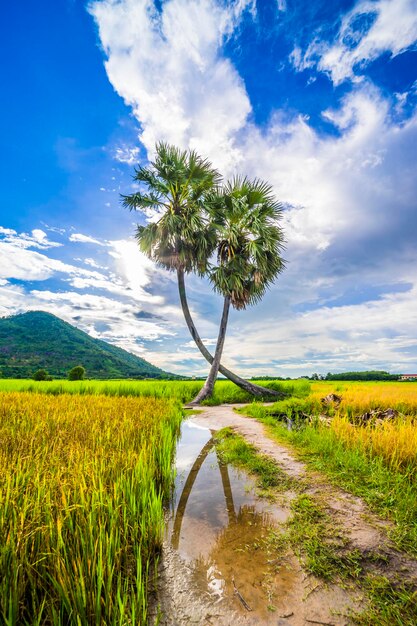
368,375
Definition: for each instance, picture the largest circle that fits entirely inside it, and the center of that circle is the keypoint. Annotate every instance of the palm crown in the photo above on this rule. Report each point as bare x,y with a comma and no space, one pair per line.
245,215
174,186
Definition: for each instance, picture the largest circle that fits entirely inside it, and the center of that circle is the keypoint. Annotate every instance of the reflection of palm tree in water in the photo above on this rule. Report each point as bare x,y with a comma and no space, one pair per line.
228,556
188,486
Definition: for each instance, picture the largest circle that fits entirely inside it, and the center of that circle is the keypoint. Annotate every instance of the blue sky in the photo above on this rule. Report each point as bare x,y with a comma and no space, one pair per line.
317,98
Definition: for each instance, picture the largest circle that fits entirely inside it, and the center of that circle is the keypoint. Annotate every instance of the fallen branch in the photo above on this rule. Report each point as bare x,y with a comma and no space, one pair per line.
239,595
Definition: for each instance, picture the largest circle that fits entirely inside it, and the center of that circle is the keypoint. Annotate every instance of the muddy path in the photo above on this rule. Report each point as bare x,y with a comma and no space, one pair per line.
223,571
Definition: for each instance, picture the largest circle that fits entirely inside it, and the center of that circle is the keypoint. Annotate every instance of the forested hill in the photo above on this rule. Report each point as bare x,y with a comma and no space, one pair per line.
39,340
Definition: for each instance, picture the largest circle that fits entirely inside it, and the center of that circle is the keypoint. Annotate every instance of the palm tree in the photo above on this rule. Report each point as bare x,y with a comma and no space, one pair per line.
174,188
245,215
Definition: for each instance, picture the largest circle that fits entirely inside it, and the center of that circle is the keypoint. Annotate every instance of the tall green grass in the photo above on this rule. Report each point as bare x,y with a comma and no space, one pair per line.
82,483
184,391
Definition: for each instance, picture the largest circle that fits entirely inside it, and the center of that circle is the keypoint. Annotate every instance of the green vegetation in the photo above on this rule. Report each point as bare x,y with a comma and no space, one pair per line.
244,215
310,532
38,340
41,375
235,450
367,375
390,605
183,391
320,544
76,373
82,483
389,492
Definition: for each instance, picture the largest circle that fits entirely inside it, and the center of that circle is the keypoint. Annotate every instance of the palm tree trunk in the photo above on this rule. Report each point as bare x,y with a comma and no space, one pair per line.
208,387
255,390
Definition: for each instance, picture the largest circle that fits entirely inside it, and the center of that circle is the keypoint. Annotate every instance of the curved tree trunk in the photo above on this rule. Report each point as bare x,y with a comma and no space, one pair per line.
208,388
255,390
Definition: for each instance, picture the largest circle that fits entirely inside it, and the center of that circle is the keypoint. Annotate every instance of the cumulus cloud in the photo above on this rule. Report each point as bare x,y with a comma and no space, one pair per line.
365,176
37,239
93,263
333,338
370,29
168,66
22,264
19,262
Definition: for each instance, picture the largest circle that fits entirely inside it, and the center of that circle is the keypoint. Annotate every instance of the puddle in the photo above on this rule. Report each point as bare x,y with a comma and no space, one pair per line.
221,529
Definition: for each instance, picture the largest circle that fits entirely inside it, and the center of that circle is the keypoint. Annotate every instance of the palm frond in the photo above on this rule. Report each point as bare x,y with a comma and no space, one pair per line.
246,216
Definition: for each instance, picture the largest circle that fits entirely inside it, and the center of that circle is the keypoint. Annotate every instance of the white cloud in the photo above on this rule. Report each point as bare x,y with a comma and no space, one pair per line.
93,263
54,229
39,235
38,239
393,30
126,154
168,67
21,264
7,231
375,334
80,238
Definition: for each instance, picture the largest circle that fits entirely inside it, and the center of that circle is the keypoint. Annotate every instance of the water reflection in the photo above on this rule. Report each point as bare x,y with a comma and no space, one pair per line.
219,526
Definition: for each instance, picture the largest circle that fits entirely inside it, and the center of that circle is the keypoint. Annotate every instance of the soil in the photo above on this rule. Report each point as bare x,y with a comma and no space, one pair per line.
299,599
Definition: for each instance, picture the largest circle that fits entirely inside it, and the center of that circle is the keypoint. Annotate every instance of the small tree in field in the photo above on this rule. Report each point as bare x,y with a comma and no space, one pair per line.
40,375
76,373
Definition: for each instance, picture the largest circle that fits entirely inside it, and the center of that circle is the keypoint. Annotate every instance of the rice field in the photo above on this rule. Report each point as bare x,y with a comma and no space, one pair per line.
82,484
85,468
358,397
395,442
183,391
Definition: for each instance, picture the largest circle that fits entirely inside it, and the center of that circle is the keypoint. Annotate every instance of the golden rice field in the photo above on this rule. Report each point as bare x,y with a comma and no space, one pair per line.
82,484
393,441
85,469
359,397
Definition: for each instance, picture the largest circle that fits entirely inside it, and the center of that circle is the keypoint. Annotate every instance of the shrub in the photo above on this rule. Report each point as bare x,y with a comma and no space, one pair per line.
40,375
76,373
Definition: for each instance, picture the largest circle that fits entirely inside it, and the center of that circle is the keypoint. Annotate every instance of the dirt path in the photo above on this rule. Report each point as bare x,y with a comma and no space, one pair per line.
366,530
305,599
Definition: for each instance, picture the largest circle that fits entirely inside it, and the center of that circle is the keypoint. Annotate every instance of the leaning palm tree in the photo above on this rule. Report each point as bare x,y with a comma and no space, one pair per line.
245,215
173,189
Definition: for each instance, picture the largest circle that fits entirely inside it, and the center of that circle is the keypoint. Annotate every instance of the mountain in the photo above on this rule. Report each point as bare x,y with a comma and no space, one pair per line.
39,340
